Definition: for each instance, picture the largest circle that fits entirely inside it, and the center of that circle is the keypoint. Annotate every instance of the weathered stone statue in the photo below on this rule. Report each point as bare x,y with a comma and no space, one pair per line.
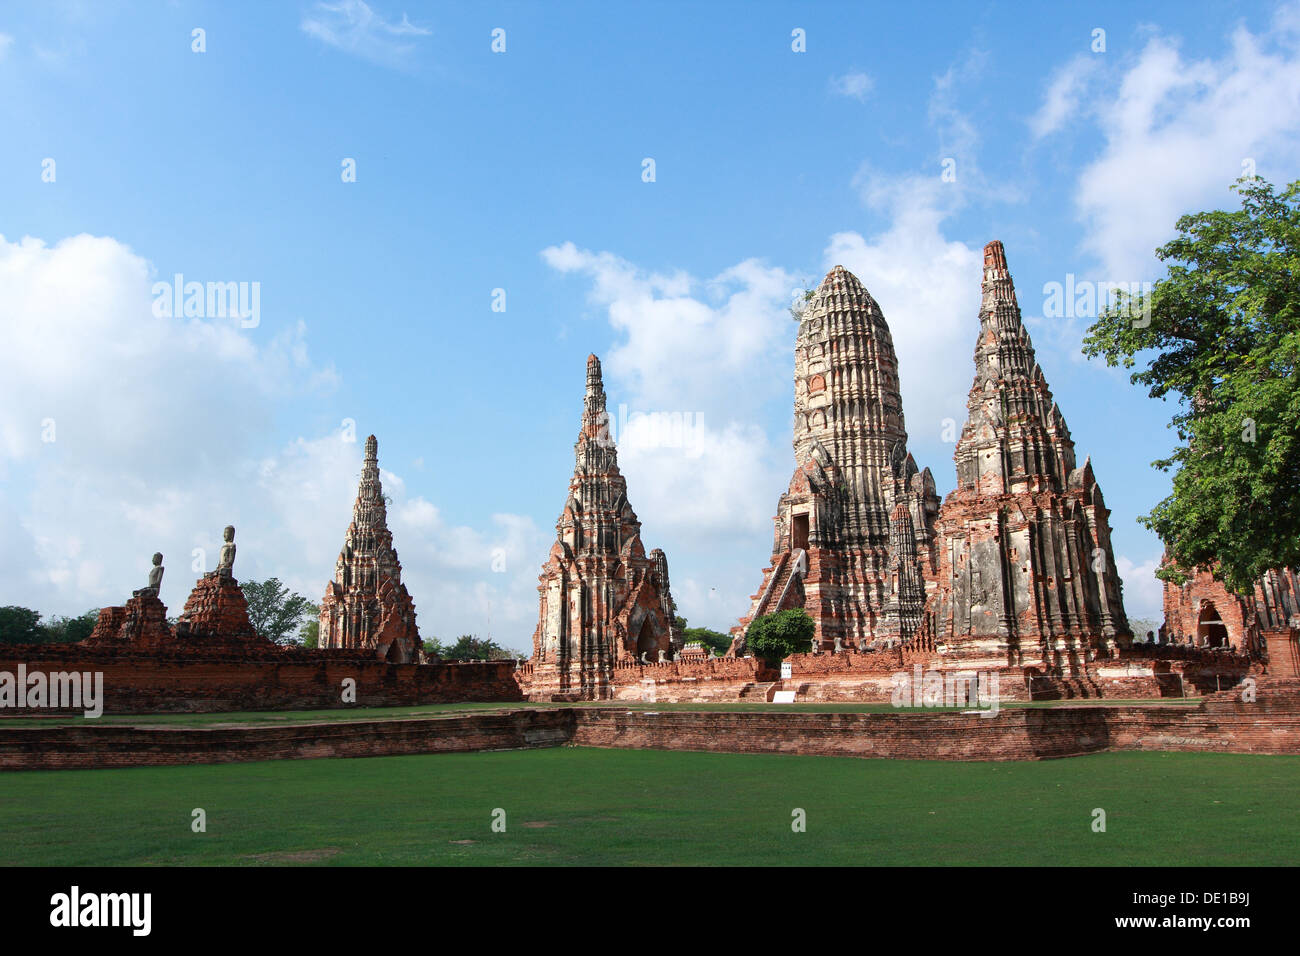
226,563
155,579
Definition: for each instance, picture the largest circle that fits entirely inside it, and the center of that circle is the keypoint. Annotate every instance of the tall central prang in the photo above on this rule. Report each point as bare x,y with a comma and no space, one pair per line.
854,532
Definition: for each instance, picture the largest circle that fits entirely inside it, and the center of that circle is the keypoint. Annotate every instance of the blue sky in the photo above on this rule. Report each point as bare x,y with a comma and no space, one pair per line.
522,171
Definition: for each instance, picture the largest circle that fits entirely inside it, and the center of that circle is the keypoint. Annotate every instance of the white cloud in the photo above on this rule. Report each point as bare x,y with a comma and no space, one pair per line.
86,358
159,443
6,41
353,27
957,133
1143,591
928,287
707,354
1177,131
119,430
1064,96
686,341
855,83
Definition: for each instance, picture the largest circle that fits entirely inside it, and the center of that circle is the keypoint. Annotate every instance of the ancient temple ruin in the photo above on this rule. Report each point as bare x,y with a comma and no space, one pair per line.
603,600
214,621
140,623
1026,574
1202,611
854,535
366,606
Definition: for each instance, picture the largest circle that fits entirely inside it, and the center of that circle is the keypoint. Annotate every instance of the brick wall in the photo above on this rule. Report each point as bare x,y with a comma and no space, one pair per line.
105,745
159,683
1223,723
868,677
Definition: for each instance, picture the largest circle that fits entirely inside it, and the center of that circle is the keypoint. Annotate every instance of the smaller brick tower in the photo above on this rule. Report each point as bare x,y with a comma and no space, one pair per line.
602,599
367,606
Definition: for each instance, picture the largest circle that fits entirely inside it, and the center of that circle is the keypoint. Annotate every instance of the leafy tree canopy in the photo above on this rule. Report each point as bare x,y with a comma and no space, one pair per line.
774,637
274,611
714,640
469,647
20,625
70,630
1221,334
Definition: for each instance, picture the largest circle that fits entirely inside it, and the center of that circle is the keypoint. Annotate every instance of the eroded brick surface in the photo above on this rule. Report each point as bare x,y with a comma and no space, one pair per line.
1202,612
1026,573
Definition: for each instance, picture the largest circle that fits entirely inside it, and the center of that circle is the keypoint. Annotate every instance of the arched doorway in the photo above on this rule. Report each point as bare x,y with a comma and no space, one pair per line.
645,642
395,655
1210,629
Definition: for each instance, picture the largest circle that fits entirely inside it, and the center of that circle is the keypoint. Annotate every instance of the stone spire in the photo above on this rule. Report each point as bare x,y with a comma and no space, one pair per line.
366,607
1026,572
1011,413
858,512
369,512
602,598
594,415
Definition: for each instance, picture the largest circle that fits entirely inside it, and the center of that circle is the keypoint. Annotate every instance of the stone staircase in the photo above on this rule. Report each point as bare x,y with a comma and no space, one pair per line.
776,597
772,597
757,692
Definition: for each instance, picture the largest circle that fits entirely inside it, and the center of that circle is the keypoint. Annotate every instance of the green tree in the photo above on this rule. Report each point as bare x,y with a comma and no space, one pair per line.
70,630
1221,335
309,633
469,647
714,640
20,625
274,611
774,637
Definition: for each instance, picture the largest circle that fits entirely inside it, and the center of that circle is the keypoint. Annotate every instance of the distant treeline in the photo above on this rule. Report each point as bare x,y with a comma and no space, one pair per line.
22,625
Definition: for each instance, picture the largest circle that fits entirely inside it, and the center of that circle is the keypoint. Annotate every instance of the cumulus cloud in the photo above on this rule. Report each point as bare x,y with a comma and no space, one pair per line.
90,370
687,378
123,433
928,287
1178,130
855,84
123,430
353,27
685,340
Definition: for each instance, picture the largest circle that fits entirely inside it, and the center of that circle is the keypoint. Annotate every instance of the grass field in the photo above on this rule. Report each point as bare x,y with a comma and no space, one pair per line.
585,806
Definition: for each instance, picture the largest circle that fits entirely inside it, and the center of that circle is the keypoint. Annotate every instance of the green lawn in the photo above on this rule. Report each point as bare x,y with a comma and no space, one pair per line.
339,714
576,806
